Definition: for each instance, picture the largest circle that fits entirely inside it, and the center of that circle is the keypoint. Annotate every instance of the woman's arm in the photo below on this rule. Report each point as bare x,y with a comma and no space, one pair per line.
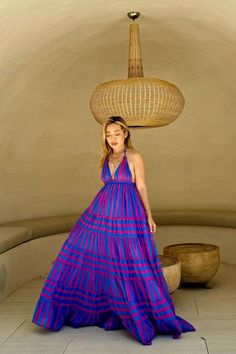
99,177
142,188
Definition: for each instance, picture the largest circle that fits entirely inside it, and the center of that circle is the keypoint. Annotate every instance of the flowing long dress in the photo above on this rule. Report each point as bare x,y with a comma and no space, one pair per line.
108,272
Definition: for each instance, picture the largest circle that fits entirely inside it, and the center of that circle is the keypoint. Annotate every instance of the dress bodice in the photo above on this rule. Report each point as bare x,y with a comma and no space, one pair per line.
122,172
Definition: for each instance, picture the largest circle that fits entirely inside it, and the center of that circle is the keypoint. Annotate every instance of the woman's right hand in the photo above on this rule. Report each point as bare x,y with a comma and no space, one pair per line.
152,224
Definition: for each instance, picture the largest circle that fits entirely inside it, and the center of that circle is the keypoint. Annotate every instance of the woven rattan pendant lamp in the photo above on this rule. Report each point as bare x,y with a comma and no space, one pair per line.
141,101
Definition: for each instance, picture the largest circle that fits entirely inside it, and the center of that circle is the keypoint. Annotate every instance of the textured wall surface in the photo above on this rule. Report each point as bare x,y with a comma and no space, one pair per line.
54,53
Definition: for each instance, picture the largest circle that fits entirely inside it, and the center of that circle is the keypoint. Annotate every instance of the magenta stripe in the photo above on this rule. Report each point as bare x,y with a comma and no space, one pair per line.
111,301
56,317
154,303
114,217
130,231
107,274
50,317
121,224
44,312
138,270
117,204
39,312
154,311
131,316
159,317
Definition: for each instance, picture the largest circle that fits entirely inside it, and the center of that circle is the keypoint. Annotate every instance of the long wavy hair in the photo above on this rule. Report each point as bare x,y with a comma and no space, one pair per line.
106,150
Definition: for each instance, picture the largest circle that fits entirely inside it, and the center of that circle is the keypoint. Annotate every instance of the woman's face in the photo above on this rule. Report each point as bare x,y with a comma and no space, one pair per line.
115,136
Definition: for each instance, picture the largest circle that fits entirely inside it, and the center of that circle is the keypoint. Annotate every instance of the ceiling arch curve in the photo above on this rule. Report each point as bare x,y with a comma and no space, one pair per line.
54,54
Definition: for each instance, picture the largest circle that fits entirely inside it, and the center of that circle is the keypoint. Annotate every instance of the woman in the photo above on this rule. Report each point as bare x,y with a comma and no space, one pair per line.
108,273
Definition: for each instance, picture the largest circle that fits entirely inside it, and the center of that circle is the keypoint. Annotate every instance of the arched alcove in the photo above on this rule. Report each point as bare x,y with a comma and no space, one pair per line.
55,53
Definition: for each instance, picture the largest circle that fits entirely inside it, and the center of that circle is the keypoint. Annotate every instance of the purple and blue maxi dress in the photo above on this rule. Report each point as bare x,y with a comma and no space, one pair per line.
108,272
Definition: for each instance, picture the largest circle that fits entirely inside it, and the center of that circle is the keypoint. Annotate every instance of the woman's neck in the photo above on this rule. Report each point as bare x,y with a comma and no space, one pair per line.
118,152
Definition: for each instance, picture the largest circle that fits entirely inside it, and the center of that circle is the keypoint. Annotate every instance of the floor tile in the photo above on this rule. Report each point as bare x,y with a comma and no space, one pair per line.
160,344
32,348
24,295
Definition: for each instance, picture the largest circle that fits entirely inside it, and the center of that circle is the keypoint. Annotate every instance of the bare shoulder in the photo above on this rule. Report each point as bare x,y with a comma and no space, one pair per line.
134,155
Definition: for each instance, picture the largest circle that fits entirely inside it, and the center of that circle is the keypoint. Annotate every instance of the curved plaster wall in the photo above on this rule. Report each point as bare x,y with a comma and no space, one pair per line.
55,53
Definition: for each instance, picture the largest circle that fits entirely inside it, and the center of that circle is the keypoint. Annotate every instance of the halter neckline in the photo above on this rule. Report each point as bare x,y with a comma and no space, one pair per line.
124,157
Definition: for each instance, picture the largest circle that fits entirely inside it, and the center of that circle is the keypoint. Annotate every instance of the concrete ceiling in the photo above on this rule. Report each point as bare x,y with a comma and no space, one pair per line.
54,53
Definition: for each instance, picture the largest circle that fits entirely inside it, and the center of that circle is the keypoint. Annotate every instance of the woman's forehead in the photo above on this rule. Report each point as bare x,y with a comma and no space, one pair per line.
113,128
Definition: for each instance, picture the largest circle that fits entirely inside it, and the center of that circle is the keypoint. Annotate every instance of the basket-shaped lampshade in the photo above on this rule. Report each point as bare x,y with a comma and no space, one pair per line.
140,101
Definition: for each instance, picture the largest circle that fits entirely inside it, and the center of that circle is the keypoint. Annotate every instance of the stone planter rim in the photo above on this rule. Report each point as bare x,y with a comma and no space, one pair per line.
213,247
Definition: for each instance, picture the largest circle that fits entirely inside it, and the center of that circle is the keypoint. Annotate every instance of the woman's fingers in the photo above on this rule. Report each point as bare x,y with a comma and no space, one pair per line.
153,227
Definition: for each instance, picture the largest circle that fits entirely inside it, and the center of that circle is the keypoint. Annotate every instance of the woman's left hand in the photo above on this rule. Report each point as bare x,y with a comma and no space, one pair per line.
152,224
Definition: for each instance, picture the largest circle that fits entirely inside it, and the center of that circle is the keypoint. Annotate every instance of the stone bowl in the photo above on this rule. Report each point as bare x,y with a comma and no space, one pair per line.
199,261
171,271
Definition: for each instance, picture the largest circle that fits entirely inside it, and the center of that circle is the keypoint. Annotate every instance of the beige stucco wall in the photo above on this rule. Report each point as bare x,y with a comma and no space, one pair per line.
54,53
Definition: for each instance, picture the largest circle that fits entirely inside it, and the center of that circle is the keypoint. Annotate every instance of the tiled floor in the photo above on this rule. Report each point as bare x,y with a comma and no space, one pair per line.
211,311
